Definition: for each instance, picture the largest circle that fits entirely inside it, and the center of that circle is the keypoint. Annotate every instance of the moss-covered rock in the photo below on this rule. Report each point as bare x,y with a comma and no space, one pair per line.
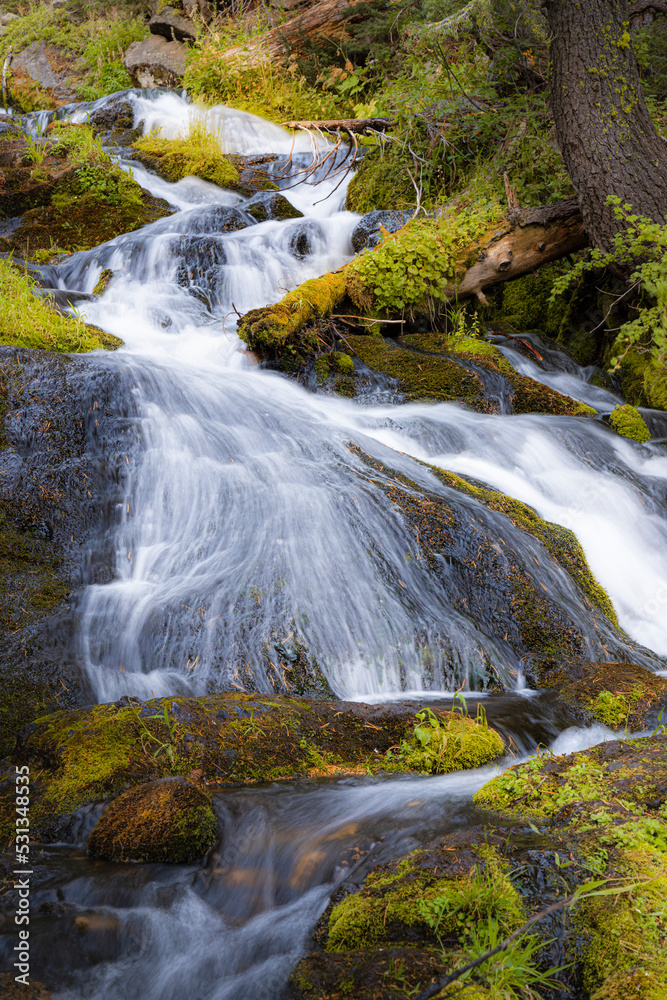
168,820
29,321
69,194
598,824
284,327
86,755
620,695
628,422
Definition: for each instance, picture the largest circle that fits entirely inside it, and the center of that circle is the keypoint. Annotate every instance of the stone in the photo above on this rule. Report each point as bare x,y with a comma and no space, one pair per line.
36,61
168,821
156,62
6,19
172,26
271,205
366,233
199,8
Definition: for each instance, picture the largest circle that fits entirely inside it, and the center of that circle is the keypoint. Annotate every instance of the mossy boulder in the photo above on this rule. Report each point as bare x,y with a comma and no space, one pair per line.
168,820
86,755
619,695
69,194
628,422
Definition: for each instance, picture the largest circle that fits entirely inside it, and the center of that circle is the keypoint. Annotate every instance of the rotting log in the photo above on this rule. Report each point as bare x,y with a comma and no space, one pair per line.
324,20
538,236
528,239
359,126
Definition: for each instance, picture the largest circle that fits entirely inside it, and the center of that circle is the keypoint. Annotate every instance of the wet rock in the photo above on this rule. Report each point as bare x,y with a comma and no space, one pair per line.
11,990
115,115
172,25
200,260
366,233
168,820
271,205
156,62
60,453
300,242
218,219
602,809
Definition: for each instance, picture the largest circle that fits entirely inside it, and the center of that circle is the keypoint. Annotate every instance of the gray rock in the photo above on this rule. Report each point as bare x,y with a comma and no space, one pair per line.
6,19
156,62
199,8
35,63
366,233
172,26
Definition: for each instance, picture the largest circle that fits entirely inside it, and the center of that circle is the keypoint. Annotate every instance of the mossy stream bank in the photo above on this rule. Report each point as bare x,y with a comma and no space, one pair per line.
591,819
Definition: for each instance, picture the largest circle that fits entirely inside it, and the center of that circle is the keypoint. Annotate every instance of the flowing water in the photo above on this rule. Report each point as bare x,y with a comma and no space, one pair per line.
249,527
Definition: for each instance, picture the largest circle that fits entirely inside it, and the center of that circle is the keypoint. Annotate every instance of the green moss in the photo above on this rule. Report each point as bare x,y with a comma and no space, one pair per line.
628,422
614,710
86,755
197,154
526,305
28,321
419,376
408,901
284,325
163,821
460,743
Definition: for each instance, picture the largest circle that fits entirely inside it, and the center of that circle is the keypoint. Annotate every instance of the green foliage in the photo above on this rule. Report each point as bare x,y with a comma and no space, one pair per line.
414,270
640,249
515,972
437,746
628,421
613,709
29,321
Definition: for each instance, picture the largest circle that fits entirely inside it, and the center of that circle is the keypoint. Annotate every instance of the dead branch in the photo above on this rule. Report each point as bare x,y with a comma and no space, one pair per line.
353,125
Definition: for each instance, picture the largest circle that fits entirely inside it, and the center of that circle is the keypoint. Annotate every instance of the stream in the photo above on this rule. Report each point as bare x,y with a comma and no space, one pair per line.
248,527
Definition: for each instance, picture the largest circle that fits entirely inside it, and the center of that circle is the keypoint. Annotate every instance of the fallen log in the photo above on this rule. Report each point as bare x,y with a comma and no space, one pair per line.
324,20
358,126
528,239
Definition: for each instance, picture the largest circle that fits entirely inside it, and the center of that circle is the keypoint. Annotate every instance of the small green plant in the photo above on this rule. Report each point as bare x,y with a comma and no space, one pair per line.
513,972
437,745
36,151
163,746
613,709
639,248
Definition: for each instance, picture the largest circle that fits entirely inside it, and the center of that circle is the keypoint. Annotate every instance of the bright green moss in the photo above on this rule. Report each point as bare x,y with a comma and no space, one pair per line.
285,324
527,306
197,154
612,709
411,902
28,321
459,743
523,790
628,422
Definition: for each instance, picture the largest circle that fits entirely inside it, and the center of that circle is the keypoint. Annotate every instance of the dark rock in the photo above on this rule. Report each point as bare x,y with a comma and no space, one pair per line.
115,115
11,990
168,820
366,233
61,456
172,26
201,258
300,242
219,219
271,205
156,62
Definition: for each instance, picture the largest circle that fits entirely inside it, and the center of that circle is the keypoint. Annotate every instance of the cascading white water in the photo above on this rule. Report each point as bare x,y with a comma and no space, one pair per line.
249,526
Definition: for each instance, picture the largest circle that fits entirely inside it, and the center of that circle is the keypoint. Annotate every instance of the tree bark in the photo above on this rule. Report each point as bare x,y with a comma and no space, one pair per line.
609,143
326,19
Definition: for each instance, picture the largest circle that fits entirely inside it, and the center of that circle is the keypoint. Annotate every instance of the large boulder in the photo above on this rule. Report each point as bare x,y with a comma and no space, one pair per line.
367,232
156,62
172,25
39,61
168,820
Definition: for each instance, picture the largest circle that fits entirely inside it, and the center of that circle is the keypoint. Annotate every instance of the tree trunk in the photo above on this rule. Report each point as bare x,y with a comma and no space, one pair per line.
607,137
